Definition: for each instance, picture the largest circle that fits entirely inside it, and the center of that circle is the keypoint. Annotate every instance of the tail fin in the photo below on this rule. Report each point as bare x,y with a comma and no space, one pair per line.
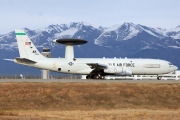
26,47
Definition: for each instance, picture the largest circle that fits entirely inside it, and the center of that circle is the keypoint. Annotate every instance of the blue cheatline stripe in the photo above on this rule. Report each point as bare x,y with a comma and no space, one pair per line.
20,33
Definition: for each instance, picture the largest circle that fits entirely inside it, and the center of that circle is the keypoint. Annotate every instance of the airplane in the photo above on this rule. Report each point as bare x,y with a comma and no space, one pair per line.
93,68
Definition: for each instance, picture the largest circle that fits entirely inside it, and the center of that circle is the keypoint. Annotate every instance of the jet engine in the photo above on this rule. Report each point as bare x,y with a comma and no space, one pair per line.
113,70
118,71
126,72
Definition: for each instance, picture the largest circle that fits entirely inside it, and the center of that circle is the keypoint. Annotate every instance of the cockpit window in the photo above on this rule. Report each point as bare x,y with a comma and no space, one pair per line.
170,64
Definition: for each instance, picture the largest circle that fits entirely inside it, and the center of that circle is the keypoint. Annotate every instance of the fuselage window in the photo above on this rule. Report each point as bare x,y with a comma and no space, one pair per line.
151,65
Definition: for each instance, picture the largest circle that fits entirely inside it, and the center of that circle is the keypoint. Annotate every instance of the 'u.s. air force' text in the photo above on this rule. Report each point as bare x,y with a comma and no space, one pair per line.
122,64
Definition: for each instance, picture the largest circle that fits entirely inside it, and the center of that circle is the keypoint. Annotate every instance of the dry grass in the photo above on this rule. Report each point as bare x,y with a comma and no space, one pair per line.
89,101
8,113
124,114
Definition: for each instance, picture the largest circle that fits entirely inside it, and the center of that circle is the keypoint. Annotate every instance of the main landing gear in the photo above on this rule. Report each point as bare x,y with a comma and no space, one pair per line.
98,76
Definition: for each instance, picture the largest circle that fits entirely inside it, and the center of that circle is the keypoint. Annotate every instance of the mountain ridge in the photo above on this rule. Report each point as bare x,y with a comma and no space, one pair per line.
120,40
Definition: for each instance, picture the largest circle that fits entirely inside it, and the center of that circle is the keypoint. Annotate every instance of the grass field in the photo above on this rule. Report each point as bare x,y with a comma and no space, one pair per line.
76,101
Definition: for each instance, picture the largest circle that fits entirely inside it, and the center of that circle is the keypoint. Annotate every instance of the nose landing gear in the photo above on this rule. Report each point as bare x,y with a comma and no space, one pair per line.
159,77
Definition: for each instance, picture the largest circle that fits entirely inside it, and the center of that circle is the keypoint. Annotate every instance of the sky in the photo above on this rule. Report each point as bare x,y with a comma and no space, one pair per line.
38,14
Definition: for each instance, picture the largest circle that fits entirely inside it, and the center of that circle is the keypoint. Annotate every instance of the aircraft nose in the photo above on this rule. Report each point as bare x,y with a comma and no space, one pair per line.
175,68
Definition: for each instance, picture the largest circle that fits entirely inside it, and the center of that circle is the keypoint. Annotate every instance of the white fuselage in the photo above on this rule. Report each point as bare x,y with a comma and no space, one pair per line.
94,68
79,65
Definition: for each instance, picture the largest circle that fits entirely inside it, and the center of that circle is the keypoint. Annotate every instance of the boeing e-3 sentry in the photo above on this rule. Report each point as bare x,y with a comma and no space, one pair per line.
93,68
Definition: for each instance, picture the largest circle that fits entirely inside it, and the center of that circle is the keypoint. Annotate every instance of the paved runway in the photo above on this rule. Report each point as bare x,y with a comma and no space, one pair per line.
86,81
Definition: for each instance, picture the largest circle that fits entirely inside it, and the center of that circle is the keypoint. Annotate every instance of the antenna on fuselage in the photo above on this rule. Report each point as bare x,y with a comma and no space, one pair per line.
70,42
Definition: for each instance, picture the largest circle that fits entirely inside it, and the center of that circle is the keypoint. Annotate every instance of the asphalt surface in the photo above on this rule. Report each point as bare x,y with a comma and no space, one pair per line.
89,81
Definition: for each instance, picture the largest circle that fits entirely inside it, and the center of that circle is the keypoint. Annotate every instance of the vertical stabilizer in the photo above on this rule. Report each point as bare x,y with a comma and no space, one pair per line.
26,47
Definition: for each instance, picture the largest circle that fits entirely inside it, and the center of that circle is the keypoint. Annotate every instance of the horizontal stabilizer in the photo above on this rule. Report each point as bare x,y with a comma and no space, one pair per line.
9,60
24,61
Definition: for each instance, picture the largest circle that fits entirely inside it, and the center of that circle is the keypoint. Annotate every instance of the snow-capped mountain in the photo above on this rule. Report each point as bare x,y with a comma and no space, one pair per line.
129,31
174,33
125,40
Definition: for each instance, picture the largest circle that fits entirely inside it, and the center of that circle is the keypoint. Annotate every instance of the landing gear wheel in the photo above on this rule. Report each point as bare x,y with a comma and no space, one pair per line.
102,77
159,78
96,77
99,77
87,77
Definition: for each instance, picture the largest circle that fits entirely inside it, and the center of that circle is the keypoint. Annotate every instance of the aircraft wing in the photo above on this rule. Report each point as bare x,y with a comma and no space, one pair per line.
97,66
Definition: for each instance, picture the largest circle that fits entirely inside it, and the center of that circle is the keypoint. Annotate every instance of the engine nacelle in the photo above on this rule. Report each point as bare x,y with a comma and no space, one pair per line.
126,72
118,71
113,70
